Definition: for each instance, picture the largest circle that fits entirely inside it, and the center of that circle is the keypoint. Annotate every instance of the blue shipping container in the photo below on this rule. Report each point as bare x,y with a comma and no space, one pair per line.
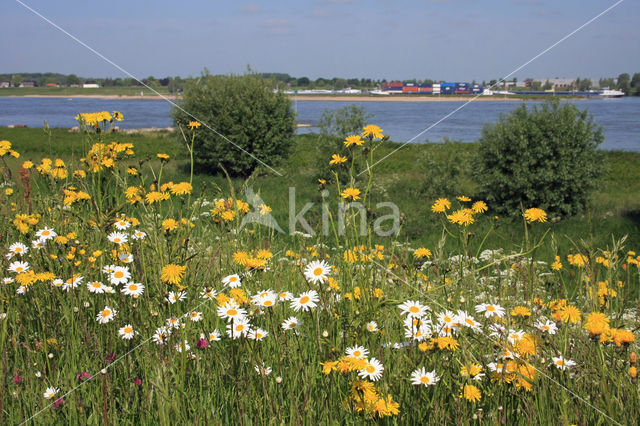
447,84
426,85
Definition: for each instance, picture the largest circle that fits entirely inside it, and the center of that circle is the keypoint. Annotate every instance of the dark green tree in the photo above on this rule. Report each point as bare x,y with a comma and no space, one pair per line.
624,83
635,84
72,79
252,123
542,157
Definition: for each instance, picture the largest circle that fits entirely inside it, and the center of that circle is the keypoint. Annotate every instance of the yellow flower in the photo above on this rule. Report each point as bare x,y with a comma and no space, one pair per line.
471,393
422,252
353,140
8,191
461,217
570,314
163,156
535,215
596,323
337,159
27,165
372,131
354,193
117,115
441,205
557,265
169,224
172,274
181,188
132,171
520,311
194,124
464,198
322,181
479,207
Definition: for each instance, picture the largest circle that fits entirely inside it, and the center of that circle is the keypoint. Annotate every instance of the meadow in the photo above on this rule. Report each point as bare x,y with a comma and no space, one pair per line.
134,292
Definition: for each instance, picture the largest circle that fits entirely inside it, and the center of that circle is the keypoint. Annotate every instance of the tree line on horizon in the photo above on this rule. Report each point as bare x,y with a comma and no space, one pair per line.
630,85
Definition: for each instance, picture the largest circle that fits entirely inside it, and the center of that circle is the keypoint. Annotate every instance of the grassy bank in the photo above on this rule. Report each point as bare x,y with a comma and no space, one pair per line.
408,178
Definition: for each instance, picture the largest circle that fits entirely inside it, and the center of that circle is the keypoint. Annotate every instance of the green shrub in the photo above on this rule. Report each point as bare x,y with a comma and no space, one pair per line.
342,122
542,157
246,111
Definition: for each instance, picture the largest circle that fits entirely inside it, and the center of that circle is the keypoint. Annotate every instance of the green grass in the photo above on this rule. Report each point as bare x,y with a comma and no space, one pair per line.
49,335
402,178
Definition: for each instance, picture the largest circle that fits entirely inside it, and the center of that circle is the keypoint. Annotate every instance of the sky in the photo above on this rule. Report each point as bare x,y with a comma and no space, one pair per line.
459,40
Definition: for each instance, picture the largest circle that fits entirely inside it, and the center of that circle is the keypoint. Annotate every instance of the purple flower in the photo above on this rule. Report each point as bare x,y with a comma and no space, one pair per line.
202,343
17,379
59,403
83,375
137,381
110,357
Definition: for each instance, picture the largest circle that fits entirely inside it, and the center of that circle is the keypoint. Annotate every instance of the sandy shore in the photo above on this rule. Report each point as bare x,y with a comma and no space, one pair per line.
323,98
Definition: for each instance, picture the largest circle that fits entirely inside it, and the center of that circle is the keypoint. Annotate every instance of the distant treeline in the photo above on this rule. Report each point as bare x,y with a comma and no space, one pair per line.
625,82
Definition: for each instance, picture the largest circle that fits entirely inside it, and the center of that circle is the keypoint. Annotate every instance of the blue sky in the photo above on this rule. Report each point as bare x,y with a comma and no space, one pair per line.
439,39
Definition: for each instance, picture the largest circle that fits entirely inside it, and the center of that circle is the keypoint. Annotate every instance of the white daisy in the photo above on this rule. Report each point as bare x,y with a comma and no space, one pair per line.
139,235
51,392
285,295
372,326
423,377
72,283
173,322
106,315
514,336
195,316
562,363
133,289
18,267
38,244
118,238
182,346
160,336
238,328
119,275
490,310
215,335
95,287
125,257
357,352
46,234
373,370
122,224
7,281
317,271
232,281
127,332
174,297
18,249
231,311
208,293
265,299
262,369
306,301
413,308
58,282
547,327
467,320
291,323
258,334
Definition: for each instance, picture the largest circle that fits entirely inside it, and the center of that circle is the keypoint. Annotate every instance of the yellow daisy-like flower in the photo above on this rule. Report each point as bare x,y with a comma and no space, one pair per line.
353,140
461,217
479,207
354,193
117,115
337,159
172,273
520,311
596,323
422,252
535,215
194,124
471,393
557,265
464,198
169,224
163,156
441,205
181,188
373,131
570,314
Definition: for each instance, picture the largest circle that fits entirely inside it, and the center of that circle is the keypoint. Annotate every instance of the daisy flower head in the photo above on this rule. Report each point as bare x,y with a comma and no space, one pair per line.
173,322
285,295
317,271
515,336
423,377
262,369
122,224
125,257
72,283
238,328
18,249
373,370
95,287
372,326
195,316
561,363
127,332
265,299
291,323
177,296
547,327
215,336
119,275
184,346
106,315
133,289
118,238
46,234
231,311
172,273
467,320
139,235
160,336
413,308
208,293
257,334
51,392
490,310
232,281
357,352
18,267
307,300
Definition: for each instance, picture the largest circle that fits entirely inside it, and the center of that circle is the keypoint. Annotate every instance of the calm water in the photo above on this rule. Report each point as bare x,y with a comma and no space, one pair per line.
620,118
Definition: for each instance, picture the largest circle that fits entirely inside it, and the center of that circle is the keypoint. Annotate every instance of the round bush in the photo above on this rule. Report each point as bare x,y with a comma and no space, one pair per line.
541,157
246,111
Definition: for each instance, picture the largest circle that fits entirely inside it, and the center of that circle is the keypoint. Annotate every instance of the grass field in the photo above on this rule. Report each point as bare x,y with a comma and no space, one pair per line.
133,293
